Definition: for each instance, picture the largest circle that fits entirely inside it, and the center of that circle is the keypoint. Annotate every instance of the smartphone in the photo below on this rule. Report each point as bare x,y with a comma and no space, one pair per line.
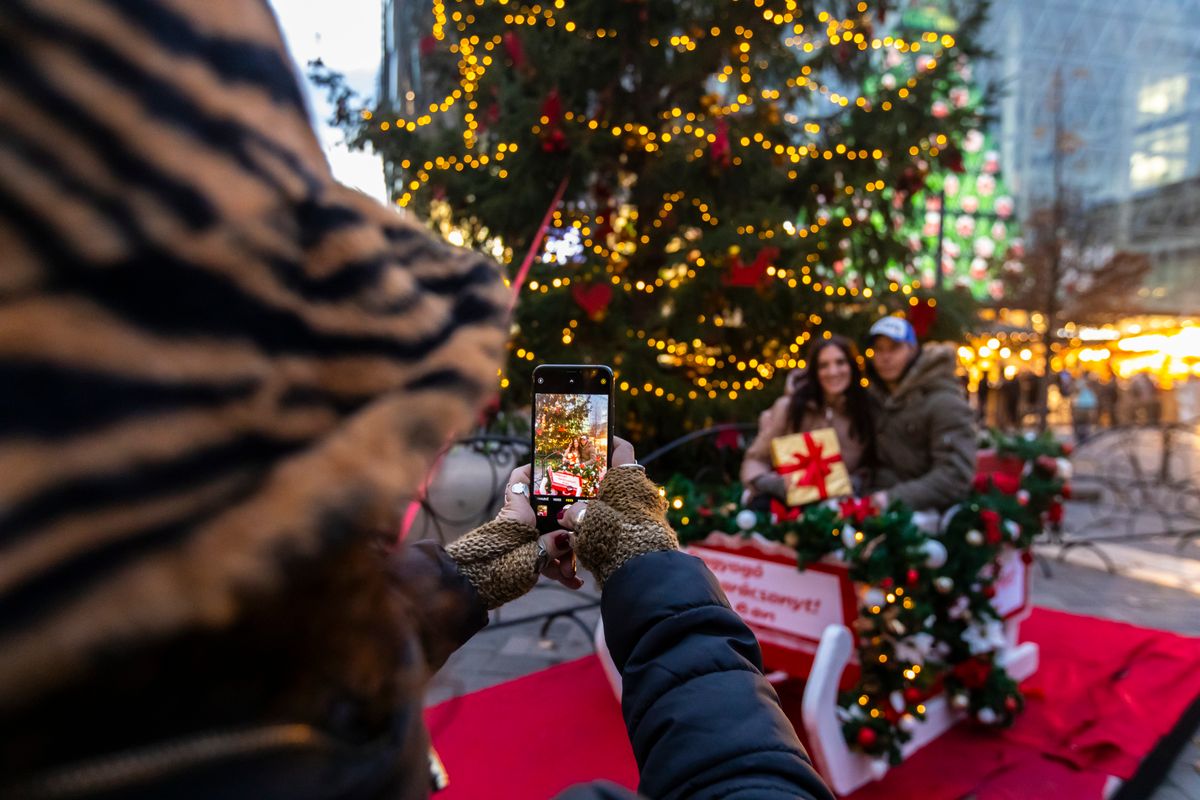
572,436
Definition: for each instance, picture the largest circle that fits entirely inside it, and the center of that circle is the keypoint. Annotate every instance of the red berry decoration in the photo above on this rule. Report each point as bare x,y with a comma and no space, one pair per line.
912,695
989,592
1065,491
1026,557
867,737
886,583
913,576
1011,704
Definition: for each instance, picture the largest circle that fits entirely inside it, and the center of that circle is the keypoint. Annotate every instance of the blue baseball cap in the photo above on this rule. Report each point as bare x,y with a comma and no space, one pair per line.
896,329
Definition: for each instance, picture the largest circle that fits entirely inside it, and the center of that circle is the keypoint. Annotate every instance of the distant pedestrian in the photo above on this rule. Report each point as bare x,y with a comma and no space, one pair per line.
1083,408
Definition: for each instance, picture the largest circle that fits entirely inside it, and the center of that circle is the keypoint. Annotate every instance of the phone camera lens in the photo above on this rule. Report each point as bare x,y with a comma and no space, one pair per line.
541,380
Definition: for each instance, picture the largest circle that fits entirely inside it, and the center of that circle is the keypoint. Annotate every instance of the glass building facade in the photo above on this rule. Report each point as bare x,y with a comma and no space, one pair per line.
1122,82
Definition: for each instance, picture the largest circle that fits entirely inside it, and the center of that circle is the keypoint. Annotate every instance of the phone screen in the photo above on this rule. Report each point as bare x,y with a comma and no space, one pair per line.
571,436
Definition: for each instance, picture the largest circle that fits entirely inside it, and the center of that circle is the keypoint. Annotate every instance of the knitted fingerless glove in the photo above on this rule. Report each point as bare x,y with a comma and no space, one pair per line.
499,558
627,519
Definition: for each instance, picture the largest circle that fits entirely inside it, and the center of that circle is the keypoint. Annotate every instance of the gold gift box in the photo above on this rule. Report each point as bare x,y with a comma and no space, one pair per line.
809,462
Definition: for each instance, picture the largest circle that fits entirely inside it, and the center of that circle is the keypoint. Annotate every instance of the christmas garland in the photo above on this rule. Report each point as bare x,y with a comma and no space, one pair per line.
926,622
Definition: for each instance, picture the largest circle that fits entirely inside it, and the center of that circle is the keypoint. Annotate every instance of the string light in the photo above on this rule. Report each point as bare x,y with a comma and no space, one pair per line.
695,133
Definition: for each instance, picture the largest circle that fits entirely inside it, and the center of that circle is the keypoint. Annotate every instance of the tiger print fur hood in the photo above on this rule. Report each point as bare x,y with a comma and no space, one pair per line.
217,363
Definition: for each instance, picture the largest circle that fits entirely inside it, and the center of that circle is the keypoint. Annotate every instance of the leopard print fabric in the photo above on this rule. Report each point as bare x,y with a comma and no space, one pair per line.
216,362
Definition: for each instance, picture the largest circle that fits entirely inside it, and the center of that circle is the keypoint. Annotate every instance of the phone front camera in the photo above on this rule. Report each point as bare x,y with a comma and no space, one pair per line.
541,380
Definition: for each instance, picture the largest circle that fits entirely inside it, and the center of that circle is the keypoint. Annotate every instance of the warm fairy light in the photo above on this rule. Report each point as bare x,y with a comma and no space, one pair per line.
691,134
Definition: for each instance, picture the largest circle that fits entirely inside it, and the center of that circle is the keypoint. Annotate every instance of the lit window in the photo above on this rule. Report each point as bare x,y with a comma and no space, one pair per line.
1166,96
1159,157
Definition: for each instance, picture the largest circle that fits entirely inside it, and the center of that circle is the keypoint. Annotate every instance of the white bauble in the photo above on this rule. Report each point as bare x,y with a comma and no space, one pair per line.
935,553
746,519
879,768
897,701
987,716
974,537
1065,469
873,597
960,701
849,538
1013,529
908,723
944,584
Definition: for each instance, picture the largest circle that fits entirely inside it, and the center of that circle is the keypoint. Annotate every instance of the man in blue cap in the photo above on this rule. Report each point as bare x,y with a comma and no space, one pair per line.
925,437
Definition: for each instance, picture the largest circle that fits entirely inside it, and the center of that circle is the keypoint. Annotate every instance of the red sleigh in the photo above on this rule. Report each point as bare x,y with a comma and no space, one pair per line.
564,483
804,623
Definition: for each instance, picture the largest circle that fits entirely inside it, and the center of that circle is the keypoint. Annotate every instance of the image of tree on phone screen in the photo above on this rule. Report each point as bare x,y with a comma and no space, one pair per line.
571,435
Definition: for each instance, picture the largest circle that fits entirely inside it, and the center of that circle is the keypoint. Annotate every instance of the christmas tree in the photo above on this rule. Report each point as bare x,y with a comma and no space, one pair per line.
721,180
970,217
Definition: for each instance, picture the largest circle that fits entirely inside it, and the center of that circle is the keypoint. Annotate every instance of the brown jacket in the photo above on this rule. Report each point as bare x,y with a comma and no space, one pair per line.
774,423
925,435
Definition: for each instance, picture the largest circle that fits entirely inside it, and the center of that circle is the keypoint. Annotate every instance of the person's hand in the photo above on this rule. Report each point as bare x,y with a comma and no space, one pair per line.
503,558
622,455
560,565
772,484
516,497
627,519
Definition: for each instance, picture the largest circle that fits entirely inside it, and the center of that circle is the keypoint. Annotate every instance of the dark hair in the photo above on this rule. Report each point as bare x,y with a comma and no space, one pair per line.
809,393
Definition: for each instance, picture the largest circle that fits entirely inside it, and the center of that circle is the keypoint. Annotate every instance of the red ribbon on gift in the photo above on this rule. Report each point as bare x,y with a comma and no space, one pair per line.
813,466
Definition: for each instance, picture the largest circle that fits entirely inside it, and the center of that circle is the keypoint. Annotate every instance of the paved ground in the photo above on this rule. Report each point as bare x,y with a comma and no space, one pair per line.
505,651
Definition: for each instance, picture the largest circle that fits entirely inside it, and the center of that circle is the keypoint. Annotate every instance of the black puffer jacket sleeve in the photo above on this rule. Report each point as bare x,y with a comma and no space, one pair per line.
702,719
443,603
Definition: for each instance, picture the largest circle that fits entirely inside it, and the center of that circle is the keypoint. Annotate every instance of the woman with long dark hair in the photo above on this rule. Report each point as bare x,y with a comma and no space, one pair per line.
829,393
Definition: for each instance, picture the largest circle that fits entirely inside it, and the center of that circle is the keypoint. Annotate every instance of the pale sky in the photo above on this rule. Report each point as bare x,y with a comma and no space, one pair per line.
347,35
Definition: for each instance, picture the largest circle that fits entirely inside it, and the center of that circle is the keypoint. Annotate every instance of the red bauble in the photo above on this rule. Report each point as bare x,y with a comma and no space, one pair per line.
1011,704
719,150
991,525
982,482
913,576
1068,448
1005,483
912,695
922,317
989,592
1065,491
552,107
514,48
973,673
1026,557
886,583
554,140
1055,512
867,737
1047,464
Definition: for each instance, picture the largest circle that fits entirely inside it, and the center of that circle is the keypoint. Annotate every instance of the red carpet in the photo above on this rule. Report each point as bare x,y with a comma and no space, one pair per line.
533,737
1106,693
